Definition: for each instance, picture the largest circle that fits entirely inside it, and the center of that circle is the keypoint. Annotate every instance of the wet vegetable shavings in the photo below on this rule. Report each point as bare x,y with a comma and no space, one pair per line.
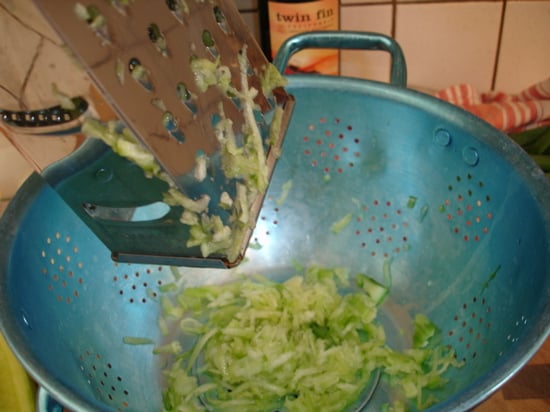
123,142
95,21
158,38
243,157
340,224
299,345
65,101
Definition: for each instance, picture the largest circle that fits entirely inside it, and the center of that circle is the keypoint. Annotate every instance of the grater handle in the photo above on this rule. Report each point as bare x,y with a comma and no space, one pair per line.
354,40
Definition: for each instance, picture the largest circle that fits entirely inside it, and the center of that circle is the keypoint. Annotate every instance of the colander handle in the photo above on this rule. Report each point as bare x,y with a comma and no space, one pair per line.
346,40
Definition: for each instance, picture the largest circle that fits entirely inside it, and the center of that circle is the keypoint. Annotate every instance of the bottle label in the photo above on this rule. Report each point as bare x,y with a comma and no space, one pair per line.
289,19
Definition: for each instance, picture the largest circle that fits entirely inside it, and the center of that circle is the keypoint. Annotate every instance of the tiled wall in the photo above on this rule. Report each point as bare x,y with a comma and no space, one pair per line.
494,45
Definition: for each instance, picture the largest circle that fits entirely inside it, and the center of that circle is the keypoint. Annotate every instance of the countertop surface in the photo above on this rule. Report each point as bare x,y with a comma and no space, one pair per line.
528,390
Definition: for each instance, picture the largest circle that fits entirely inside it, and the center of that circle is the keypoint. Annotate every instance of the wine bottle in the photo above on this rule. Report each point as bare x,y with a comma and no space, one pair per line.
281,19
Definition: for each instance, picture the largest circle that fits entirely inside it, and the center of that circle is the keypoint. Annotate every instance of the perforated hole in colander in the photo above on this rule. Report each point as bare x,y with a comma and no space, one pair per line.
468,208
101,374
381,227
471,328
331,146
61,268
137,284
516,330
269,215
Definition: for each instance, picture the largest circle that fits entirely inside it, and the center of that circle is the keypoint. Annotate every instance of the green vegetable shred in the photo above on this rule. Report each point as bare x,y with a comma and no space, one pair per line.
299,345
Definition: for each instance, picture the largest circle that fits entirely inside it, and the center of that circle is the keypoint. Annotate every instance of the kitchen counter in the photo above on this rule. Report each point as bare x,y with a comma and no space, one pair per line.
528,390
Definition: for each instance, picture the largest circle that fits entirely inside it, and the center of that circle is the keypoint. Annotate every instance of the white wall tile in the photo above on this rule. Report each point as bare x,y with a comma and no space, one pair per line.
525,48
449,43
373,65
362,2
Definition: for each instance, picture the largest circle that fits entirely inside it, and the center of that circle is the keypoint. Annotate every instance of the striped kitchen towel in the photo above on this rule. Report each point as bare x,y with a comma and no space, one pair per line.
507,112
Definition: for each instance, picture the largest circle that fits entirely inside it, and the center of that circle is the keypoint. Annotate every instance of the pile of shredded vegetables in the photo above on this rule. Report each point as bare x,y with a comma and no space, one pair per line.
293,346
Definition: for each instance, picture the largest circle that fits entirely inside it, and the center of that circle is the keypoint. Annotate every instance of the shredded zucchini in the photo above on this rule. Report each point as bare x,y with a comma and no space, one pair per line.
242,162
65,101
284,193
300,345
137,340
340,224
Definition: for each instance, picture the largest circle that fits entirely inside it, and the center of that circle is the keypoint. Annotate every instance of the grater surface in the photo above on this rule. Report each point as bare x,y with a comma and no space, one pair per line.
140,55
128,41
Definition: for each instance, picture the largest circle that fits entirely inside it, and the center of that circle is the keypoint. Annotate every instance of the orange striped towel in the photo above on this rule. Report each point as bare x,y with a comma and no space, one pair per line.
507,112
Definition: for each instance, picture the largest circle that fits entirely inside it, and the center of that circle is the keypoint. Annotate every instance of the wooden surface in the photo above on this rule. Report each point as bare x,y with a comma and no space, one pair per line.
33,57
528,390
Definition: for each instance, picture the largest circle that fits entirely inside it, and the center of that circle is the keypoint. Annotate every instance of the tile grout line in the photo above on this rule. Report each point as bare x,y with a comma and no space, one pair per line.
393,18
499,44
416,2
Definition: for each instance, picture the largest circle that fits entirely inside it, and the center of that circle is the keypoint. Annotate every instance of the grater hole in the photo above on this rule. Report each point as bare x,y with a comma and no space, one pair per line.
158,39
185,97
209,42
171,125
140,74
220,19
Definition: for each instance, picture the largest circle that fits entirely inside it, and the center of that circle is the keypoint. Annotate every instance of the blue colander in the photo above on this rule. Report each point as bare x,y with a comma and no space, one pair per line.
462,214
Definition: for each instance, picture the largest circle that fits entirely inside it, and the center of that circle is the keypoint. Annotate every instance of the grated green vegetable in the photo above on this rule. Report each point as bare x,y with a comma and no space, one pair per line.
299,345
94,19
243,158
284,193
136,340
65,101
411,203
340,224
271,79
